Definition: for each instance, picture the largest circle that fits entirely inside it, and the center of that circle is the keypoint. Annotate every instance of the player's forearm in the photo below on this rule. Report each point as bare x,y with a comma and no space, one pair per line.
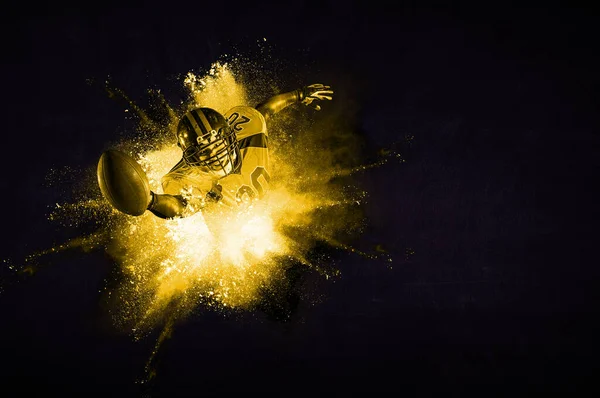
279,102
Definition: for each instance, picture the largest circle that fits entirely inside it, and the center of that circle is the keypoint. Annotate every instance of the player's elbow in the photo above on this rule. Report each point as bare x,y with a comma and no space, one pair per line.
265,110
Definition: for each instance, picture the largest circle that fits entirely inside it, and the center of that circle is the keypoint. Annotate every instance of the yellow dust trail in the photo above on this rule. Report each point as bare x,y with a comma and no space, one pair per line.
372,256
144,119
165,334
85,243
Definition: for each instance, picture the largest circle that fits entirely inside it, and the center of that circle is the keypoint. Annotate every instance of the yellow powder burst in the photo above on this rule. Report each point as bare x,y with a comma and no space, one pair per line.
172,266
218,89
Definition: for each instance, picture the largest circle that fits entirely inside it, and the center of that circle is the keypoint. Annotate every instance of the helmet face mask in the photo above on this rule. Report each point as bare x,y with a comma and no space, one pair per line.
208,142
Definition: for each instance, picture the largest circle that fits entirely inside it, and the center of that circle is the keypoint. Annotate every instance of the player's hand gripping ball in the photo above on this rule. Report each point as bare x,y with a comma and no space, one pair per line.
123,183
317,92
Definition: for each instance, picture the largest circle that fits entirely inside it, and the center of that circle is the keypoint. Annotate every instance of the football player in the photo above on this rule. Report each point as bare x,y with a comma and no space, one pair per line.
225,157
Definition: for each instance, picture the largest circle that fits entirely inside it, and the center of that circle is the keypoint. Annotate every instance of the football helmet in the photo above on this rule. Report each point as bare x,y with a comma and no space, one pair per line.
208,142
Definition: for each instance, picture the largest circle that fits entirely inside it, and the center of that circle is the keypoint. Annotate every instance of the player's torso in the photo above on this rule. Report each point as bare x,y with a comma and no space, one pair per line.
251,181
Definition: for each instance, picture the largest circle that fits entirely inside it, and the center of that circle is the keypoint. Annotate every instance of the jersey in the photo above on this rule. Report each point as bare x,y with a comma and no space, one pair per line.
249,182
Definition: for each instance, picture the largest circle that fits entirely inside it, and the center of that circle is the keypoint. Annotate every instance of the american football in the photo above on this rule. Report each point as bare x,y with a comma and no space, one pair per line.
123,182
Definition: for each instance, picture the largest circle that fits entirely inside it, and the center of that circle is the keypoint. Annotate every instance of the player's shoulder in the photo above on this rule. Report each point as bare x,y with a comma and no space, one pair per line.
247,111
246,121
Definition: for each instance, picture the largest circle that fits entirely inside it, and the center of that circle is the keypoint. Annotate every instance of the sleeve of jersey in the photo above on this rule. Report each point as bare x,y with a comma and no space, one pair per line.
247,122
182,179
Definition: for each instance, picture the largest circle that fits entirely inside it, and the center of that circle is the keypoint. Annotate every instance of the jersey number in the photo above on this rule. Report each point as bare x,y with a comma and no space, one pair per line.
256,183
235,123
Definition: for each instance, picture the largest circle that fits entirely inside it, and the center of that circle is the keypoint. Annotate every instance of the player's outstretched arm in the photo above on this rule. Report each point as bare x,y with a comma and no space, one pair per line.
125,186
305,95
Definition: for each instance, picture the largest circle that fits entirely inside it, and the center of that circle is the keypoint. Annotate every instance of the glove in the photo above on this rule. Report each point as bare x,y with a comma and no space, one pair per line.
319,92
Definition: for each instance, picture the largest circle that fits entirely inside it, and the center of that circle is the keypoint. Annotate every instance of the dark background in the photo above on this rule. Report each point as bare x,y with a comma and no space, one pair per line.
491,220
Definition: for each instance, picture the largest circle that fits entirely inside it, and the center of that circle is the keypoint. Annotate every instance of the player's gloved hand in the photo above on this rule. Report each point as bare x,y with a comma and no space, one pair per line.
318,92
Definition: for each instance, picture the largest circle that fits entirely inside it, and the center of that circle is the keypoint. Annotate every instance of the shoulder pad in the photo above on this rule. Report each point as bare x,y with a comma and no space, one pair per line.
246,121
